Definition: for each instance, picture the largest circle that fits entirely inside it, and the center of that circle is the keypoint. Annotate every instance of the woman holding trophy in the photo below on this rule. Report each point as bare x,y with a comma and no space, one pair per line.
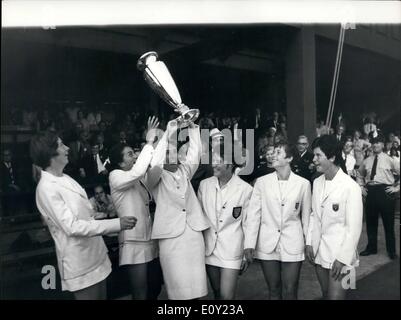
179,219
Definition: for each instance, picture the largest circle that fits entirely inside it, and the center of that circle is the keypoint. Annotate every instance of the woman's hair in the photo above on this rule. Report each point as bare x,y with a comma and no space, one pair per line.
331,148
227,155
290,149
116,155
43,147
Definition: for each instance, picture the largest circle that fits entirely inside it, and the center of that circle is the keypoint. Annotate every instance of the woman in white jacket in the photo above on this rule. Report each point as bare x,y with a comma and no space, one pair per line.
81,252
224,199
336,221
278,214
132,197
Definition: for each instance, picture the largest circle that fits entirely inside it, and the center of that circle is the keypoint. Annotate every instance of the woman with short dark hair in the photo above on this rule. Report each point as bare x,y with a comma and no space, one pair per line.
224,198
132,198
81,252
336,220
278,214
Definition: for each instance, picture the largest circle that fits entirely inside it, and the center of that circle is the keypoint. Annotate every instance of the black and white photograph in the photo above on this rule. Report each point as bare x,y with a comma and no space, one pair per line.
200,150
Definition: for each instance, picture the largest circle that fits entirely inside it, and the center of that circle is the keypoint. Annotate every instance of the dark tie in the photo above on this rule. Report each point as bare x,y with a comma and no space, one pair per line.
10,169
373,173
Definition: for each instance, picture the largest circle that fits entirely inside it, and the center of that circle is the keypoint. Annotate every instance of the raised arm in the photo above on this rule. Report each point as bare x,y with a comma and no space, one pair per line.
194,152
121,180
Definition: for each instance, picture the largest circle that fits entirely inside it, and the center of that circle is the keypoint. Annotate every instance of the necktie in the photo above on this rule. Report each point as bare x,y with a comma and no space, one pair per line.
95,163
373,173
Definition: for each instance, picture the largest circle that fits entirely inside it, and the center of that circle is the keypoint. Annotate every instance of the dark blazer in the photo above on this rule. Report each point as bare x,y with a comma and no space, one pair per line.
5,176
300,165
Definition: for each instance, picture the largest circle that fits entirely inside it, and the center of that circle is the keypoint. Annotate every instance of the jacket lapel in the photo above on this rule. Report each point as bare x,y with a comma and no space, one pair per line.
336,181
275,187
53,179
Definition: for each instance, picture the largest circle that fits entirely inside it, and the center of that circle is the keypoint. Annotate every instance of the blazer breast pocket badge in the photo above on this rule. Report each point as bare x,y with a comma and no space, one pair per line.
297,206
237,212
336,206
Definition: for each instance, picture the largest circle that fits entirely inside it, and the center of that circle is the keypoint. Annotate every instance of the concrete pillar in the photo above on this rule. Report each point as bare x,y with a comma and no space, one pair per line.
300,81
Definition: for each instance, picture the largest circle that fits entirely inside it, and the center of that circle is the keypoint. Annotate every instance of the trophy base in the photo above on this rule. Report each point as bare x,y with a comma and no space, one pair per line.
187,117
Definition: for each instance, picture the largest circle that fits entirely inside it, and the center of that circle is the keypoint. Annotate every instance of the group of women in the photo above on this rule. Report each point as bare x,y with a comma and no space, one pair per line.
214,234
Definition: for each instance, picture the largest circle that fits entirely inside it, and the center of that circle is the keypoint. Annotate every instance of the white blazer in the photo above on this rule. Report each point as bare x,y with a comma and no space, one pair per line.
336,220
176,206
67,211
273,219
228,220
131,197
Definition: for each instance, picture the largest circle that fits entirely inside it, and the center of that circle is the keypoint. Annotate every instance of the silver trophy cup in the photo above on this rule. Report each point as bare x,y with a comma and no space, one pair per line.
160,80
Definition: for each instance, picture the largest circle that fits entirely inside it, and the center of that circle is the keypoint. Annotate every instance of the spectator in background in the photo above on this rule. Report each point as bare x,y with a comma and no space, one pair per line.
91,168
349,158
369,125
79,148
340,133
395,154
265,165
378,178
360,144
103,149
302,164
29,116
72,111
390,140
283,130
102,204
274,121
321,129
81,118
10,186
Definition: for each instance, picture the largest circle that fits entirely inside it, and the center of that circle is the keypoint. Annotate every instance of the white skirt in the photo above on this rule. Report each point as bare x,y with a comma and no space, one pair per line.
183,264
88,279
216,260
280,254
137,252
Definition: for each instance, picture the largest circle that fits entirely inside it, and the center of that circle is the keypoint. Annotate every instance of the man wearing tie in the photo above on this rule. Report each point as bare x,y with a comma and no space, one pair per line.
9,187
376,176
340,136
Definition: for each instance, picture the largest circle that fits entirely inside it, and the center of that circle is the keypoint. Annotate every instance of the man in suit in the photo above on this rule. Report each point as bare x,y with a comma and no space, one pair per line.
10,186
91,167
274,121
303,161
377,177
340,134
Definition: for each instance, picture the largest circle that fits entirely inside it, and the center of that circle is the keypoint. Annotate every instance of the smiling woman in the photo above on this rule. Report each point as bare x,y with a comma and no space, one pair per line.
81,252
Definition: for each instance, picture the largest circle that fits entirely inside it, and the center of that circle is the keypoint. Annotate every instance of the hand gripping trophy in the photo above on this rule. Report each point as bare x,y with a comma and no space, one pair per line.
159,79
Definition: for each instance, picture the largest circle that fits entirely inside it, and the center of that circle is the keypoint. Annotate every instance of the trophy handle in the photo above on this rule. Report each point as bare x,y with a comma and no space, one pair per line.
186,117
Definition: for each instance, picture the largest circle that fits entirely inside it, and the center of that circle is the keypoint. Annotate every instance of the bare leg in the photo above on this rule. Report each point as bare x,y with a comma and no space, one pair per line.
228,283
96,292
290,279
323,277
214,278
336,290
272,273
137,275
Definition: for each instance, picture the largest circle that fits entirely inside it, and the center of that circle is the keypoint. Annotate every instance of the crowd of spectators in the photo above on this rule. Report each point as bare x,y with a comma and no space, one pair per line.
90,133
